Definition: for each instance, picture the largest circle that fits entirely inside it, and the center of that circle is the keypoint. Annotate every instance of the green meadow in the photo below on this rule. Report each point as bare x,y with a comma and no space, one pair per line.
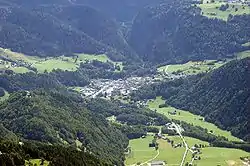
196,67
7,65
172,156
50,63
6,96
191,67
140,151
221,156
211,10
188,117
37,162
243,54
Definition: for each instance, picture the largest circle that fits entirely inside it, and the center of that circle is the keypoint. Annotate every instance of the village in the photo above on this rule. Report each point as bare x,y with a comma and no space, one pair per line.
121,87
109,88
18,63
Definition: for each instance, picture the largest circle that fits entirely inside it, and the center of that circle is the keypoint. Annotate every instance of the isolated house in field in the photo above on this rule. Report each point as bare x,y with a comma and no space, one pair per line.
151,145
178,145
172,112
157,163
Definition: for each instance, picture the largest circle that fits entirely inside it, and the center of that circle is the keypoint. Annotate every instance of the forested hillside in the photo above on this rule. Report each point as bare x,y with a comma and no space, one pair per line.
55,31
221,96
54,117
96,25
123,11
156,31
16,154
7,134
176,32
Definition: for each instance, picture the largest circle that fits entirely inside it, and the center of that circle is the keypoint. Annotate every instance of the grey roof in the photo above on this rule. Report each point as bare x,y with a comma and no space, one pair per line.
157,163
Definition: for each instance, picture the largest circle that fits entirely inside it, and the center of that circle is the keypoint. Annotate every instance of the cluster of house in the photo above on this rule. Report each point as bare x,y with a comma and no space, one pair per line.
120,87
171,126
12,64
172,112
245,160
157,163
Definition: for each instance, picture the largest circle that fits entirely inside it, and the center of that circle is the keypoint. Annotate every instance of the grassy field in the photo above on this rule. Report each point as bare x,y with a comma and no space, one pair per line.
173,156
7,65
50,63
246,44
243,54
211,10
20,69
101,58
191,67
210,155
196,67
38,162
221,156
63,63
141,152
6,96
188,117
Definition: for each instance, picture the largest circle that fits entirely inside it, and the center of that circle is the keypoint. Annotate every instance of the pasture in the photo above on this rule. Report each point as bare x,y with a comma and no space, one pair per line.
6,96
140,152
4,65
243,54
191,67
188,117
221,156
246,44
37,162
62,63
211,10
70,63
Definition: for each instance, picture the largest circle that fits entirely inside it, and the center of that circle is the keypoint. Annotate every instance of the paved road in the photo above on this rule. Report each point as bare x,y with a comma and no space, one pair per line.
158,153
165,70
170,75
100,91
184,142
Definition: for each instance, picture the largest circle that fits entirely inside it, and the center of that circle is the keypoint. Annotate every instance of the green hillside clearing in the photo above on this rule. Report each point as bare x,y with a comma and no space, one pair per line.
243,54
37,162
6,96
140,151
191,67
188,117
49,63
211,10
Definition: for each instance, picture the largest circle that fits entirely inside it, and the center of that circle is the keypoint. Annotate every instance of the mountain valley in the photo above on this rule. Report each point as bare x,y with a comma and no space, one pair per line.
142,82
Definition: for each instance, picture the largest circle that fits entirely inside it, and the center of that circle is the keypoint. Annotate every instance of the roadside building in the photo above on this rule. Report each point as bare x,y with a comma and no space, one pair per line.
157,163
151,145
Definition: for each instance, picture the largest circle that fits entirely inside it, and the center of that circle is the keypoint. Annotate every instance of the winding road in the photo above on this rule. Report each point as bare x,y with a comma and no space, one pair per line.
178,130
165,70
184,142
158,153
